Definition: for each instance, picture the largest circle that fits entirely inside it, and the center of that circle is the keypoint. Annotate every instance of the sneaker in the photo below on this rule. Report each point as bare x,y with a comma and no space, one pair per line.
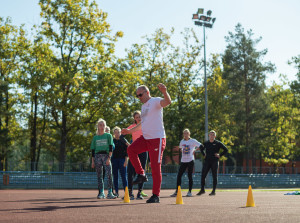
101,196
110,195
153,199
213,193
201,192
174,195
143,194
139,196
116,195
131,196
189,194
140,179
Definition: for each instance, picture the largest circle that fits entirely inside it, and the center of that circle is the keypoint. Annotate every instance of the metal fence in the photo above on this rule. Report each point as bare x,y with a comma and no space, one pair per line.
258,170
86,167
88,180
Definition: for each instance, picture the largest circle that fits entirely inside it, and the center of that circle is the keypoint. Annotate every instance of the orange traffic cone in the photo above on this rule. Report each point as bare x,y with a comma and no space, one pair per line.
126,197
179,196
250,200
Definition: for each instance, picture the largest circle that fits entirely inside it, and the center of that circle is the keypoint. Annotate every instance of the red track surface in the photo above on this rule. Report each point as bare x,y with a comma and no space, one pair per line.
82,206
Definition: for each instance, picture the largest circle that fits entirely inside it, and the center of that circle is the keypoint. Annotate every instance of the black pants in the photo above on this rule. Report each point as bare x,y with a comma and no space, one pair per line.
214,166
131,171
182,169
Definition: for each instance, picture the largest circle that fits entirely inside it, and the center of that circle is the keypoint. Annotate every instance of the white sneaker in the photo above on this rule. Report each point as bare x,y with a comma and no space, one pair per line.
189,194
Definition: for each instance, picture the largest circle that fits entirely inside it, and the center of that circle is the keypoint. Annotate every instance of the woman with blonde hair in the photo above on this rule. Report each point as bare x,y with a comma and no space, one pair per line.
102,147
187,146
119,159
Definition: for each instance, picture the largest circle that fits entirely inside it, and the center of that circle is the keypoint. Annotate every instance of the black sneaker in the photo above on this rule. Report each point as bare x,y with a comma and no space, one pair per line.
213,193
153,199
140,179
131,196
139,196
201,192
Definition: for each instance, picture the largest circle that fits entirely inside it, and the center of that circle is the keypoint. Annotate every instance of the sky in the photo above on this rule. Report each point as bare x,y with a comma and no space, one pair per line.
276,21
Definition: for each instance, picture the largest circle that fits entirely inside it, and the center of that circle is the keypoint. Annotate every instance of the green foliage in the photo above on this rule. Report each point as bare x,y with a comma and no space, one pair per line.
218,104
56,84
280,145
85,78
11,48
245,73
295,87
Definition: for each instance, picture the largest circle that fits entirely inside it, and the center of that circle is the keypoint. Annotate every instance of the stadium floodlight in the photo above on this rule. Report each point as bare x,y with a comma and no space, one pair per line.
195,16
208,19
208,25
200,11
202,17
197,23
206,22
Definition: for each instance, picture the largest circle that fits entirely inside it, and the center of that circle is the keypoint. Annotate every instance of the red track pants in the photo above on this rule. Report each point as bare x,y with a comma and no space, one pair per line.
155,147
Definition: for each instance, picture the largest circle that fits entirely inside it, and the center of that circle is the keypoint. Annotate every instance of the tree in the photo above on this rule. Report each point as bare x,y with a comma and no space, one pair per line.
11,47
86,83
295,87
33,75
245,72
280,145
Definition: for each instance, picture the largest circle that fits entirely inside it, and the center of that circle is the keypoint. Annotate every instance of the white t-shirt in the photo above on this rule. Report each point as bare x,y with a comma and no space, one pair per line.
187,148
152,119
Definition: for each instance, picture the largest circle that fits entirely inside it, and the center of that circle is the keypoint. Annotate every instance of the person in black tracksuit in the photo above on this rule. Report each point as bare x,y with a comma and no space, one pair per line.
211,160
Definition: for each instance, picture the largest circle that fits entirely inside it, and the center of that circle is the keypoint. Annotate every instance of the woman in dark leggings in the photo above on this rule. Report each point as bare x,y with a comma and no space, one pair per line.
131,174
143,159
187,147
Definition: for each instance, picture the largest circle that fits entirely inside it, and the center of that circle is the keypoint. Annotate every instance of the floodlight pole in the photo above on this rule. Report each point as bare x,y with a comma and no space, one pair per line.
205,84
205,22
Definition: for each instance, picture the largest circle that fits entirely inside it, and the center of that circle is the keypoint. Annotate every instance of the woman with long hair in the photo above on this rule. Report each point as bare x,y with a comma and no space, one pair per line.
102,147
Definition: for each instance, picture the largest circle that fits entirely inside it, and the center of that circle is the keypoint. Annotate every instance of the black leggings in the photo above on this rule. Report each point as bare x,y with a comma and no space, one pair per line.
131,171
214,166
182,169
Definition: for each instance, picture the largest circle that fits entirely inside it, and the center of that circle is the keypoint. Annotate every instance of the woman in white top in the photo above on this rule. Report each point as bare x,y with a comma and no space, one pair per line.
187,147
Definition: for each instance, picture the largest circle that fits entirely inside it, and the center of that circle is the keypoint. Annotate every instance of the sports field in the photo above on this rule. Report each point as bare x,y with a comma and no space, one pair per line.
82,206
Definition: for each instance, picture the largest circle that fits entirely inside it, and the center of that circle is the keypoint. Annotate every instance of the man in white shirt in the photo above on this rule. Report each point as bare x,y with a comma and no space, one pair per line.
153,139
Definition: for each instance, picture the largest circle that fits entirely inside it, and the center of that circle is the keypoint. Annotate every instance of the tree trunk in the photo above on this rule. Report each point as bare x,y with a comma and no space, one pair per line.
63,143
6,139
260,163
33,134
41,138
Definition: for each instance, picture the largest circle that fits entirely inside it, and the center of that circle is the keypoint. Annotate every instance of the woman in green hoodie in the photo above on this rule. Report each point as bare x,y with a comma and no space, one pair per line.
102,147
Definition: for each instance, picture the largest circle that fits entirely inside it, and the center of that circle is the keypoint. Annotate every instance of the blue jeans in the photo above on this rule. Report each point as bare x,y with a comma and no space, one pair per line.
118,165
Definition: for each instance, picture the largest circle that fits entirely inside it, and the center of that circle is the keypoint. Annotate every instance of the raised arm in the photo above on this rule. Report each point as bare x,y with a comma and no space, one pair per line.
167,99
